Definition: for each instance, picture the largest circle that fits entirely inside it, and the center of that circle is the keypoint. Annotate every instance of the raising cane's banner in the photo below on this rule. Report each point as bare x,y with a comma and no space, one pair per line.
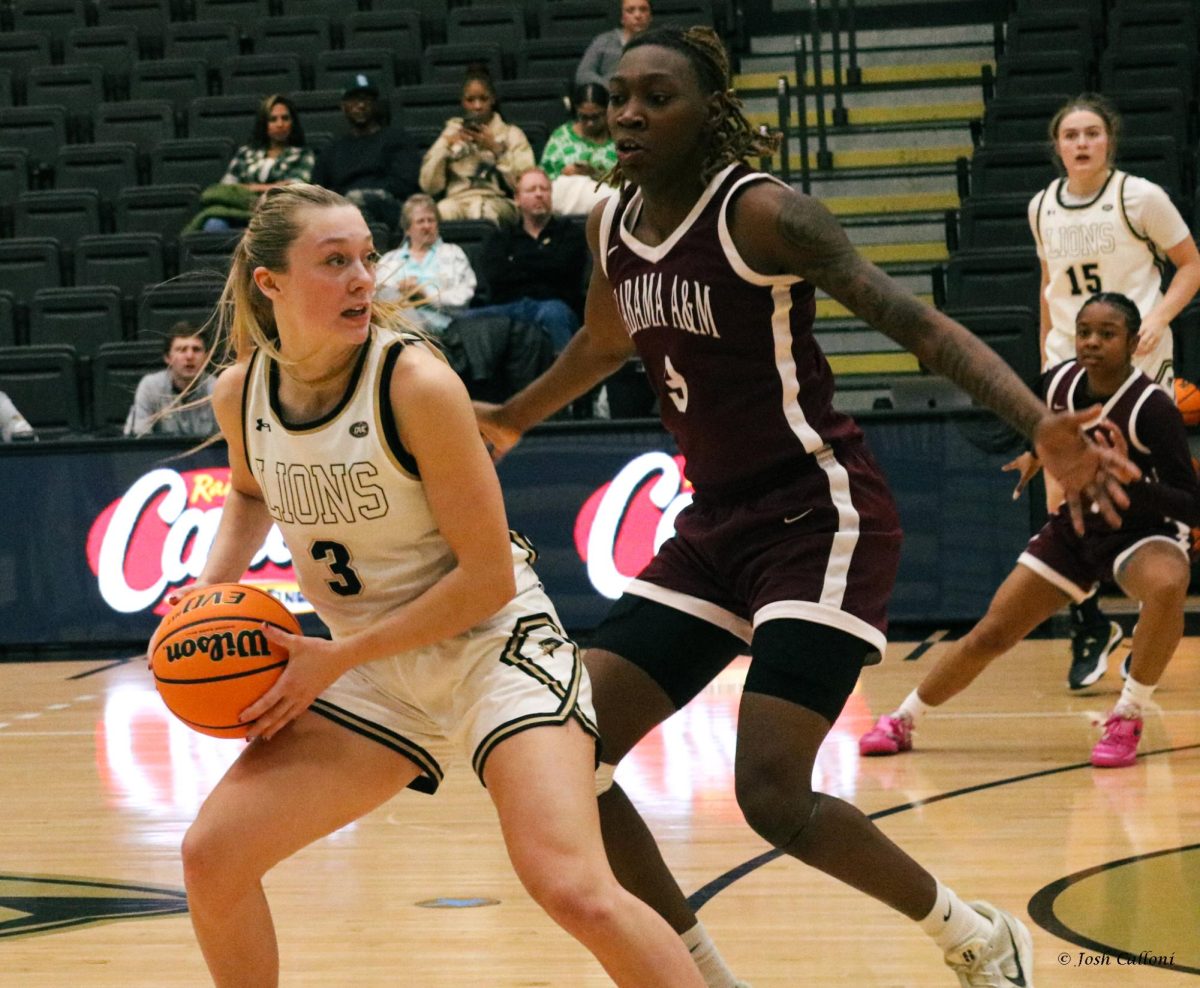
95,535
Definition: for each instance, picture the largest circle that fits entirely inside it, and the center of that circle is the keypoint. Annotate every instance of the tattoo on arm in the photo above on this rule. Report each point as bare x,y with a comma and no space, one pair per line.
820,252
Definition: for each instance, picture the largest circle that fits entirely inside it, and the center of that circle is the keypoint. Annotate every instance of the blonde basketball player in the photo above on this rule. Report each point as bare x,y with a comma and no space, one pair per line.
360,443
1098,229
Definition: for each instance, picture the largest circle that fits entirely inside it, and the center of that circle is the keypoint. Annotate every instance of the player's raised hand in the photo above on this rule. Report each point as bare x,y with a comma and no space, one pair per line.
498,434
1028,465
1086,469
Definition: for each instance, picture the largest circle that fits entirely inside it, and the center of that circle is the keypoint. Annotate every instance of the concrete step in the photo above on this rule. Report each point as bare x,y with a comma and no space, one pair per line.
873,118
763,74
954,140
909,190
896,230
933,37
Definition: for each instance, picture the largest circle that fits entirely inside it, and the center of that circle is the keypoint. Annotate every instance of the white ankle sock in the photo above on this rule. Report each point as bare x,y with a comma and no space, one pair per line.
1134,697
952,922
913,707
708,959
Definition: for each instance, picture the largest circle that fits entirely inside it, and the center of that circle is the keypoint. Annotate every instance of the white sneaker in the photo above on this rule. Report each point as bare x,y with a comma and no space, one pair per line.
1003,960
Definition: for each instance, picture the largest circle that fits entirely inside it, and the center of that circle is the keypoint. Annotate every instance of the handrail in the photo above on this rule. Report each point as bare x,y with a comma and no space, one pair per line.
784,103
824,158
840,119
800,55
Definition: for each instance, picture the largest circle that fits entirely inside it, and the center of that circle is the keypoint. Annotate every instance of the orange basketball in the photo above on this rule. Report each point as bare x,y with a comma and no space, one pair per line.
1187,400
211,659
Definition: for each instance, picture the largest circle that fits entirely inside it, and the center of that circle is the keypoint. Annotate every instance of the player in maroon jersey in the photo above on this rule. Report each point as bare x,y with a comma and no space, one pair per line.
1147,556
790,546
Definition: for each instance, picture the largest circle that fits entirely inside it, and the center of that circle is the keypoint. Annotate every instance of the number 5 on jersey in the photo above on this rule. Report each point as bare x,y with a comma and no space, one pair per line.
337,557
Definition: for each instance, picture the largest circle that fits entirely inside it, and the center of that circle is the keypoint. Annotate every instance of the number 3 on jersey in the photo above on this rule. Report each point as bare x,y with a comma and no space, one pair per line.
337,557
1086,280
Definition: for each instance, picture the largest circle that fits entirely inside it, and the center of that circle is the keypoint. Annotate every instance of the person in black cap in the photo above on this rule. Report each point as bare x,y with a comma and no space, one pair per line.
373,166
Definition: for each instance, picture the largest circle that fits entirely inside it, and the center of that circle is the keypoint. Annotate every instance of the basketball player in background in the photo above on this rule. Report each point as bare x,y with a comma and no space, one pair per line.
1147,556
791,545
1100,229
360,443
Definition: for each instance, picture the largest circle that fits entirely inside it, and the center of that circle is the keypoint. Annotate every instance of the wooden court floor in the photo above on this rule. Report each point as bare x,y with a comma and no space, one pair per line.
97,785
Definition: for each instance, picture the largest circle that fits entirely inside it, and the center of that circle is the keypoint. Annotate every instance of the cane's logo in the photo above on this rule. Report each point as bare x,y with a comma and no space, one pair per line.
157,536
621,526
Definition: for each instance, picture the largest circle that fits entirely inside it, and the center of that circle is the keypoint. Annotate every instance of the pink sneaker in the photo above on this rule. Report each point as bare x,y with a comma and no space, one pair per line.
890,736
1118,747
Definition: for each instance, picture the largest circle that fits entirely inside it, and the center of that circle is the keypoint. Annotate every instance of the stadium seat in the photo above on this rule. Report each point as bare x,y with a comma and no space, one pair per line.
543,100
994,221
149,18
8,319
198,160
55,17
684,13
1059,73
1019,119
432,15
1163,112
22,50
545,58
161,209
116,370
429,105
1012,331
192,299
212,41
83,317
319,110
488,24
397,31
303,36
238,11
333,68
1127,67
1016,168
65,214
223,116
43,382
129,261
1159,160
14,179
577,20
30,263
6,87
1052,30
208,251
77,86
40,130
449,63
993,276
177,80
258,75
113,48
141,122
1152,23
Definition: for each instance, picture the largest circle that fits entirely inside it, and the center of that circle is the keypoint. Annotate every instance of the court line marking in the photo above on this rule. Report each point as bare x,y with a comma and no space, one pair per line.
706,892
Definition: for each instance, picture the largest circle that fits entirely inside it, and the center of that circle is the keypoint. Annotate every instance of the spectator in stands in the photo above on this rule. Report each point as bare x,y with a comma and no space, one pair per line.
604,52
275,155
434,275
580,153
13,426
534,268
176,401
474,163
1098,229
374,166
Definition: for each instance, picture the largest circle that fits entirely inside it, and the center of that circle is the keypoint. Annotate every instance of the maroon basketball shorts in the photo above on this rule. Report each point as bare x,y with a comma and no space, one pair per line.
822,547
1076,564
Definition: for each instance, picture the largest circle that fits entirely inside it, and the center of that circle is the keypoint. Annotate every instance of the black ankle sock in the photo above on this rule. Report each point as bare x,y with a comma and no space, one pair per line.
1088,613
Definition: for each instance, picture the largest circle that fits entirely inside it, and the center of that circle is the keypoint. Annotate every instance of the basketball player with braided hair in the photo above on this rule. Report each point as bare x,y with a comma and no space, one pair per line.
708,270
352,435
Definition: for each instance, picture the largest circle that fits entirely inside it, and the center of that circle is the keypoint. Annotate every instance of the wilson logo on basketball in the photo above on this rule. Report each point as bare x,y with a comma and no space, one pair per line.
621,526
156,537
225,644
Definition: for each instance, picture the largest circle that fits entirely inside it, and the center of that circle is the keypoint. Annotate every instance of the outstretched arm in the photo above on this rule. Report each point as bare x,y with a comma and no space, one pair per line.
598,350
781,231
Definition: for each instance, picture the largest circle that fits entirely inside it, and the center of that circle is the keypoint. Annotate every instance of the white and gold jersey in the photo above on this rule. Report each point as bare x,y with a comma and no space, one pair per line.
347,495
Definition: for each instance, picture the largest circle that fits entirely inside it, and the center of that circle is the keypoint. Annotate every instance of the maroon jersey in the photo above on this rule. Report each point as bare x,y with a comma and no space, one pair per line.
742,384
1168,489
